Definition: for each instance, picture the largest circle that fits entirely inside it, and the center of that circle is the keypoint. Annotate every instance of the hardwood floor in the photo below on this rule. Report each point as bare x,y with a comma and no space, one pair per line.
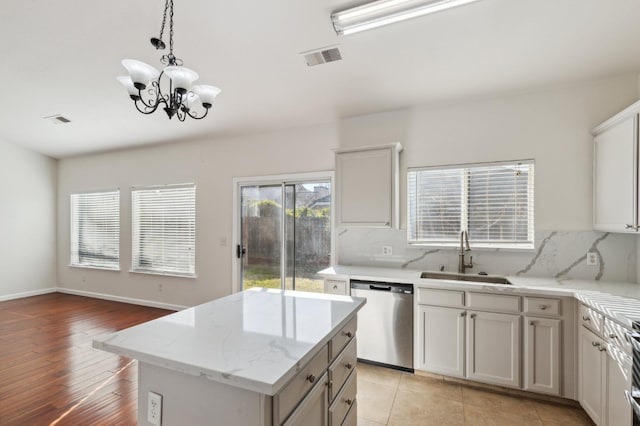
50,374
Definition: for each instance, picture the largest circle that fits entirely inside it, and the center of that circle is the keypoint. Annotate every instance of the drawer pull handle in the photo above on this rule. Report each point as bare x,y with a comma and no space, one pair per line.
613,336
311,378
335,286
543,307
349,366
602,349
595,344
585,318
463,314
348,334
472,315
348,401
532,323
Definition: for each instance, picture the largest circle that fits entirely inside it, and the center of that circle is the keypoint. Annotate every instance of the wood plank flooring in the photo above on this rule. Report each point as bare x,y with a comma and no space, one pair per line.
50,374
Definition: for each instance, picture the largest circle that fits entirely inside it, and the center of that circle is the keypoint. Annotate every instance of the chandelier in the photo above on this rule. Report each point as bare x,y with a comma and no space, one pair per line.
173,87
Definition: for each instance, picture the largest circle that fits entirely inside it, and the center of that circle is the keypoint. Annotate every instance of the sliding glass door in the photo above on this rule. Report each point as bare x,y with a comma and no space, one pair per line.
285,233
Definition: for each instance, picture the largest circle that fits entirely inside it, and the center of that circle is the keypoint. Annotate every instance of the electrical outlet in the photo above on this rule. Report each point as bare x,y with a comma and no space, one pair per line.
387,250
592,258
154,409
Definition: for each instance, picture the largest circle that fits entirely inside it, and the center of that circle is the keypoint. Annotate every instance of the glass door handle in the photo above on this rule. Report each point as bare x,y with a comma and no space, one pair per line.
240,251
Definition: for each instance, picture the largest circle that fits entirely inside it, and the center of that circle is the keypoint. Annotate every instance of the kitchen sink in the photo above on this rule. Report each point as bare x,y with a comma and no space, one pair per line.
487,279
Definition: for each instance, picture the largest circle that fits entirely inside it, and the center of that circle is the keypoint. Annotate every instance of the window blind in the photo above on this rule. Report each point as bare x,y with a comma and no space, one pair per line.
95,229
164,229
493,202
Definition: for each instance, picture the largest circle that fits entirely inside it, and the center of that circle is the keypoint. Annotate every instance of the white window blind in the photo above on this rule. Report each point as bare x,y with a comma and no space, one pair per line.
164,230
95,230
493,202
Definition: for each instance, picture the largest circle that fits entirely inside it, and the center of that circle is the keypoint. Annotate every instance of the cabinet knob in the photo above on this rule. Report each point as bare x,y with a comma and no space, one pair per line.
335,286
349,366
348,401
595,344
629,226
602,349
613,336
311,378
585,318
472,315
543,307
463,314
348,334
532,323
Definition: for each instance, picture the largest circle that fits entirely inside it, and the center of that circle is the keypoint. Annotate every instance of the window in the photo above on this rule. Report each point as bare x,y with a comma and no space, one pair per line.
164,230
493,202
95,230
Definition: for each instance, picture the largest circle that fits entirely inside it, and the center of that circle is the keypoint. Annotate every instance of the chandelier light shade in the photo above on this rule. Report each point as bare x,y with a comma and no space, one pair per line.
172,88
383,12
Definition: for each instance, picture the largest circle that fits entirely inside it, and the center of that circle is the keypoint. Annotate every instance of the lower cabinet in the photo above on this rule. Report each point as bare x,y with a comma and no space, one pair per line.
542,342
591,374
442,340
617,409
493,348
492,343
313,410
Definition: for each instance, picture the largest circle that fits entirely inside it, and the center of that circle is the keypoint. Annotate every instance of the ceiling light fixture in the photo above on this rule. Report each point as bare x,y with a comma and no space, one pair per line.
145,84
384,12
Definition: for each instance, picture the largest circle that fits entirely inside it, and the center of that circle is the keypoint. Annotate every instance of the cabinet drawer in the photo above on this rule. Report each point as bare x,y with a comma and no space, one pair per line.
591,319
616,335
449,298
335,287
493,302
341,368
352,415
301,383
340,340
345,399
542,306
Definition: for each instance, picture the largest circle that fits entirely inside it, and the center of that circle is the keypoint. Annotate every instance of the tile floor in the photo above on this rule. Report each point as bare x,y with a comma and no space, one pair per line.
390,397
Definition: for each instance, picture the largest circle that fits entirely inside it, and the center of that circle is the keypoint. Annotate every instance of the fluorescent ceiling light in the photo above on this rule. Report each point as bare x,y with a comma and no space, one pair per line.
383,12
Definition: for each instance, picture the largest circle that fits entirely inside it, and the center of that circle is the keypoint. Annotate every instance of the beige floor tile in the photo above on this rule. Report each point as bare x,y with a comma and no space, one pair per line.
555,414
415,409
499,403
431,387
485,416
374,400
365,422
381,375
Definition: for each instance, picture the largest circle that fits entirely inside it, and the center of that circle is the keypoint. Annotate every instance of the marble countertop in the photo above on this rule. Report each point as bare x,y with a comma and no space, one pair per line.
619,301
255,340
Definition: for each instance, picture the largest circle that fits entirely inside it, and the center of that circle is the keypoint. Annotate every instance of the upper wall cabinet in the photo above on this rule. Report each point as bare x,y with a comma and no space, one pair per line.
368,186
615,173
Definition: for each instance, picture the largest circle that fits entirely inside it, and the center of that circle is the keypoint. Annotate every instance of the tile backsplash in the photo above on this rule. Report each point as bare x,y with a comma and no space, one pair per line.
560,254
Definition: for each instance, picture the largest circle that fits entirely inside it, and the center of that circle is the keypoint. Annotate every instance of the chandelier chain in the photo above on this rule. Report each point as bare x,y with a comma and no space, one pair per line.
164,18
171,30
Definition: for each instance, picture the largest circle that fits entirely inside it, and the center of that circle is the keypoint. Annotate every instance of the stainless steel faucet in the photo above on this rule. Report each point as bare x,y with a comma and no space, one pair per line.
462,266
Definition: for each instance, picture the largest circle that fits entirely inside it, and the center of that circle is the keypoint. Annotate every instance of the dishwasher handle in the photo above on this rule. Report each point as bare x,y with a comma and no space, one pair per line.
379,287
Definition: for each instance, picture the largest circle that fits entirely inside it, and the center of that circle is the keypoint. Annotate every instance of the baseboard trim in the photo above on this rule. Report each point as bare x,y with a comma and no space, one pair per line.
113,298
21,295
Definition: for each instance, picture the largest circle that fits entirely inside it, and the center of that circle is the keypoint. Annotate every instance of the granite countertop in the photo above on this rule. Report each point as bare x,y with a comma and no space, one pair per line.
255,340
619,301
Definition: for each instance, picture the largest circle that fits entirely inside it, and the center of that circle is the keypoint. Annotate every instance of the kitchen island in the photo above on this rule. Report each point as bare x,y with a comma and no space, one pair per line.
259,357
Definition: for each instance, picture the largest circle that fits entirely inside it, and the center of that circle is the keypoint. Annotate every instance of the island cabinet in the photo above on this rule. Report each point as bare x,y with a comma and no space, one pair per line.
499,339
615,173
367,186
260,357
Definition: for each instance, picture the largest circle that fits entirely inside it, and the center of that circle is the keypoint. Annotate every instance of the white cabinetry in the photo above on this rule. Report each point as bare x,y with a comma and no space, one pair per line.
591,374
493,348
367,192
542,355
617,409
441,340
615,173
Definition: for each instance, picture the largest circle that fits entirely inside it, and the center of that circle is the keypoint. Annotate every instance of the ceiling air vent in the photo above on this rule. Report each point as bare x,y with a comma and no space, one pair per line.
58,119
322,56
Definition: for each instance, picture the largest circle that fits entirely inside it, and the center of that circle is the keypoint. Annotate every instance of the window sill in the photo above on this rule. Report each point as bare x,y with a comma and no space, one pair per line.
164,274
101,268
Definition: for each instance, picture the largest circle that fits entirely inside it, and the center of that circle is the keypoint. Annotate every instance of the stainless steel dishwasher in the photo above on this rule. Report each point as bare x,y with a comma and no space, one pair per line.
385,323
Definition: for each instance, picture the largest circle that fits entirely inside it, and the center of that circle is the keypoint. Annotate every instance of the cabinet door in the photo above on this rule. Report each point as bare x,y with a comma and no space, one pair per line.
618,411
441,340
614,177
591,374
542,343
366,187
493,348
314,408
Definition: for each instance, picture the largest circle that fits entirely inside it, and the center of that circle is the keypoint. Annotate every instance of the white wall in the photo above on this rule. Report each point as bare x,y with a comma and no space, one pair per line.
27,221
551,126
211,165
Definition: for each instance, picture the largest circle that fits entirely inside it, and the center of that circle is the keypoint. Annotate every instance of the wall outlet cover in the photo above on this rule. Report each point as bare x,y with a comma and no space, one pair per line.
387,250
154,409
592,258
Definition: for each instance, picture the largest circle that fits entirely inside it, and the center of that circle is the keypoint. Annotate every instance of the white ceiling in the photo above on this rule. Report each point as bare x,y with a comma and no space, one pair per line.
62,57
